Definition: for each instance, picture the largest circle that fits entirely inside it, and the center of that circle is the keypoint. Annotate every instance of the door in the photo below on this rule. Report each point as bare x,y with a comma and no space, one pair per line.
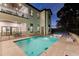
42,30
15,30
6,31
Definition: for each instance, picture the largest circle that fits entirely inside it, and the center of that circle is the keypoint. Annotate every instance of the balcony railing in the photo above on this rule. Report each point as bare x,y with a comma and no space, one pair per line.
14,12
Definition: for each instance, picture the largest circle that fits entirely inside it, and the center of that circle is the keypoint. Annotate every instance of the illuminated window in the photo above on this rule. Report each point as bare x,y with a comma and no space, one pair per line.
31,24
16,8
31,28
31,13
38,28
37,14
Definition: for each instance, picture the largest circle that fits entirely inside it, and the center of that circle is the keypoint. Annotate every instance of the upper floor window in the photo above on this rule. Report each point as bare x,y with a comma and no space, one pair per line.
38,14
31,28
31,13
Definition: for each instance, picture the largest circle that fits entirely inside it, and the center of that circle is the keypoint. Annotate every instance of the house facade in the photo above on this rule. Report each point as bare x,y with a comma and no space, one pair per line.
24,18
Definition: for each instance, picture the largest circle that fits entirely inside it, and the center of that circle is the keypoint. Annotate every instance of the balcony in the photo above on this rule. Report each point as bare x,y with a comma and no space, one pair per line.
15,12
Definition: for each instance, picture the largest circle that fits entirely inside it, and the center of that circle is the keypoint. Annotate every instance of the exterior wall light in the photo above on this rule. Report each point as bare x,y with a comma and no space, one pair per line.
16,8
5,4
20,4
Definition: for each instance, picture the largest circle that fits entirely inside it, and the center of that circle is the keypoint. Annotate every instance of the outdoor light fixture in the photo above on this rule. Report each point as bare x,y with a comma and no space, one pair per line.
20,4
5,4
16,8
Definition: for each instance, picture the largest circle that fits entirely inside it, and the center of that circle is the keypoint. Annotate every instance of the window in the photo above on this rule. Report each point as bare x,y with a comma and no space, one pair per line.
38,15
38,28
31,13
31,24
31,28
23,11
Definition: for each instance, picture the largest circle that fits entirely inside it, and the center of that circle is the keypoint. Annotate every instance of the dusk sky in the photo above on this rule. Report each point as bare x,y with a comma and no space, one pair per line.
54,8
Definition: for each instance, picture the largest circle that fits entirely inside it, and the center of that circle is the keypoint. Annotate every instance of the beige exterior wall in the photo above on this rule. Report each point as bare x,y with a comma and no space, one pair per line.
19,20
42,22
35,20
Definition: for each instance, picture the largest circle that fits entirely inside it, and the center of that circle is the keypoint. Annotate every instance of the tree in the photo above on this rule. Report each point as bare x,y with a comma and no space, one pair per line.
69,17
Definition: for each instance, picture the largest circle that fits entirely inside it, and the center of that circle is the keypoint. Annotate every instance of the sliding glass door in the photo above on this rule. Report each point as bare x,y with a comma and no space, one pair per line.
15,30
6,31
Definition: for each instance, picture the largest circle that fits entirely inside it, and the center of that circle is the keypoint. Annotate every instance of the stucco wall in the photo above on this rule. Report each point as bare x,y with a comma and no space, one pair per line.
34,20
42,22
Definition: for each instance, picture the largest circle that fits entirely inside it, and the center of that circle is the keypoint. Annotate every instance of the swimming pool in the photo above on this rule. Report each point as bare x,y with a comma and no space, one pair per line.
36,45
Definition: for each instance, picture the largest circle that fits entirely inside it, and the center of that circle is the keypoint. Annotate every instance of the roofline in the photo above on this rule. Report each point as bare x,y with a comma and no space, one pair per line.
47,10
32,6
38,9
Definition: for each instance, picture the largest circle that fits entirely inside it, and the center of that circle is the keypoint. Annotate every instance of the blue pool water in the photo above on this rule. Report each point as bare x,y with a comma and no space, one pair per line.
36,45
